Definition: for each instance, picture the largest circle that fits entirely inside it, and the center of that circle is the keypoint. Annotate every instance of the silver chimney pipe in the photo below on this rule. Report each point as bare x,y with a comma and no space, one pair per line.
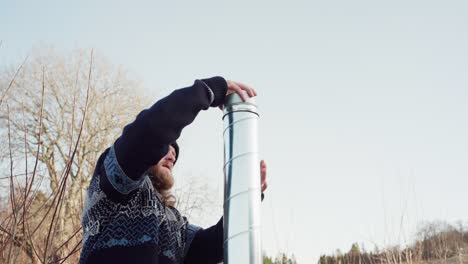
242,187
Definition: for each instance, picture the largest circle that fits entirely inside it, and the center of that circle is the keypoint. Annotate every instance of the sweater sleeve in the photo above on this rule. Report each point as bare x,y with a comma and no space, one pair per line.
146,140
206,246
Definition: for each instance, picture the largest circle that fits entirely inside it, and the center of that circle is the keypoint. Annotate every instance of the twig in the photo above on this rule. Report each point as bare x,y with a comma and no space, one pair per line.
74,250
16,175
70,162
39,135
26,178
12,80
12,189
68,240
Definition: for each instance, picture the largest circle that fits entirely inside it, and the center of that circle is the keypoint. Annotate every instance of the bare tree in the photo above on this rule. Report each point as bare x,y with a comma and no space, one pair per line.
192,197
58,113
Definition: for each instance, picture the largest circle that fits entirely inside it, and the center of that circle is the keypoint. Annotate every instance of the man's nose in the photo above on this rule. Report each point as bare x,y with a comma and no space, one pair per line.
170,157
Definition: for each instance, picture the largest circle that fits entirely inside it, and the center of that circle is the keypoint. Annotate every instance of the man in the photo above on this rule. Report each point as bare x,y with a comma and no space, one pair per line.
129,215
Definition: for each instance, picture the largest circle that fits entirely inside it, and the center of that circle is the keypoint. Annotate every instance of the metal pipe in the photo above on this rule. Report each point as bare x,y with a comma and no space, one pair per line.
242,189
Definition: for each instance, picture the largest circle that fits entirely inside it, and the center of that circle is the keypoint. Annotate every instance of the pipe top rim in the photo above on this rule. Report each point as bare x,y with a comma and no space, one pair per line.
235,99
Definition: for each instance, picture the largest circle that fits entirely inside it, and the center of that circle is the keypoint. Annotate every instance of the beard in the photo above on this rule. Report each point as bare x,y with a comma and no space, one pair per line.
161,178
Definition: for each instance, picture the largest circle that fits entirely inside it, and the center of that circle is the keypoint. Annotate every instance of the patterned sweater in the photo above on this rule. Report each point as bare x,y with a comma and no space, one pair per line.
124,218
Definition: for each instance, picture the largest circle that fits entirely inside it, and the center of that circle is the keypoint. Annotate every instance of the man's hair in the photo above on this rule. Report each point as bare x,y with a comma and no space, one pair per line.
161,187
168,198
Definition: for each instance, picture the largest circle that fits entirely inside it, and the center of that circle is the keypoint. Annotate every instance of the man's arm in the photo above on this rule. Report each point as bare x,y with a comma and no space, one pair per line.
206,246
146,140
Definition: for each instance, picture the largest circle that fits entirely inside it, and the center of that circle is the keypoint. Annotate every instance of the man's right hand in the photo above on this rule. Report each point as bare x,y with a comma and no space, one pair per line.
237,87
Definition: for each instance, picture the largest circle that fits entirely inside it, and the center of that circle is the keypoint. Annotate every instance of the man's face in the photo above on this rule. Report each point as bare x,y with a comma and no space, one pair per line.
161,173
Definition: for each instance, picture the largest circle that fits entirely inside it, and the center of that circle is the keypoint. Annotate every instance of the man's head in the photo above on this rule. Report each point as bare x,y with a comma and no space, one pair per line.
161,173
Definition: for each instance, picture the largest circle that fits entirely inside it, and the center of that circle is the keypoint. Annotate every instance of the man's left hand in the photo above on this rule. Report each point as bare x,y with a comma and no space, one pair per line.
263,173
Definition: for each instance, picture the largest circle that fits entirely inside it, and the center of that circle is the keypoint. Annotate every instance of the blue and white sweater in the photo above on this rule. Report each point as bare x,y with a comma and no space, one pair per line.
124,219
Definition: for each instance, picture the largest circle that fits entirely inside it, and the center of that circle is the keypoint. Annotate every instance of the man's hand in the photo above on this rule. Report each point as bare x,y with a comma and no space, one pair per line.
263,174
237,87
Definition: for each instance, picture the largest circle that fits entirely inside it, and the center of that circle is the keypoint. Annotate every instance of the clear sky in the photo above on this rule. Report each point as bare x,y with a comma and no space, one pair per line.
364,114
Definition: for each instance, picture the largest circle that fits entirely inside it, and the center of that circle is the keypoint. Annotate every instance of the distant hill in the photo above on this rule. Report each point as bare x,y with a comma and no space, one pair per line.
435,243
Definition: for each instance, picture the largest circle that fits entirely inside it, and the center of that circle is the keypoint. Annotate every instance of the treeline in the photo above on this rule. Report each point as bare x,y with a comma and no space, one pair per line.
434,241
281,258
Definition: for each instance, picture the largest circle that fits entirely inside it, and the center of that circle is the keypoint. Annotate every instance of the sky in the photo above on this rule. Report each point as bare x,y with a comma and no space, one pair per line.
363,114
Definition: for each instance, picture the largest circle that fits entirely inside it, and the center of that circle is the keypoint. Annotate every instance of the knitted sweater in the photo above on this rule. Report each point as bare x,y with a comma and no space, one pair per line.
124,219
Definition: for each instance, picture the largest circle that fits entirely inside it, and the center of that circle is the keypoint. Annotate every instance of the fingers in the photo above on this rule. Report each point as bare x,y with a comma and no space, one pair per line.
239,87
264,186
263,174
247,88
263,170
